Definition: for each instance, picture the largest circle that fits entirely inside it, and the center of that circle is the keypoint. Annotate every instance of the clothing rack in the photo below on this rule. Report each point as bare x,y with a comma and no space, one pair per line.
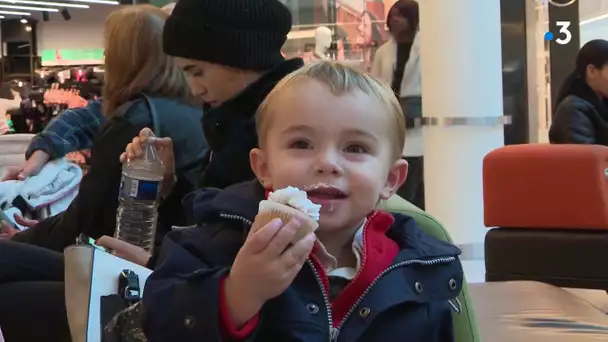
41,106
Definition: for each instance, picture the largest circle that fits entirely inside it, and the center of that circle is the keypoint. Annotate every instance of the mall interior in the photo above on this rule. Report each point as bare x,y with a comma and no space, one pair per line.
486,171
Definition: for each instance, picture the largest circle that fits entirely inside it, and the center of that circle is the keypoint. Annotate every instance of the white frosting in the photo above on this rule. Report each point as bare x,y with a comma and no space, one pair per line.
297,199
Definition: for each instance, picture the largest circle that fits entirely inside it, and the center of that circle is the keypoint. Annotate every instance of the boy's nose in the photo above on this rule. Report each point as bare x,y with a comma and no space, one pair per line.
327,163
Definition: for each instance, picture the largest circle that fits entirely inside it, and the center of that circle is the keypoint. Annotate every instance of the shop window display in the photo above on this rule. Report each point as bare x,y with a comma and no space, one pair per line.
357,29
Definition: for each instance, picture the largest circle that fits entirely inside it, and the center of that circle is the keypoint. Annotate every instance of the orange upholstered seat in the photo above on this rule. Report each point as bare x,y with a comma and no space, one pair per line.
546,186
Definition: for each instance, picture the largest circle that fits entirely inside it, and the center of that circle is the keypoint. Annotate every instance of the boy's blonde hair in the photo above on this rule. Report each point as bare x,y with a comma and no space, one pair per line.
341,79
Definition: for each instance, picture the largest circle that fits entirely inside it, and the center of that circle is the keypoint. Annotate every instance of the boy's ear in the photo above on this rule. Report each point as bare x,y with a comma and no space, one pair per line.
259,165
396,178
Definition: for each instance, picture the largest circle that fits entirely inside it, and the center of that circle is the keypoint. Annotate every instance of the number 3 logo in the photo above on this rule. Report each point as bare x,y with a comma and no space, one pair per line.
563,30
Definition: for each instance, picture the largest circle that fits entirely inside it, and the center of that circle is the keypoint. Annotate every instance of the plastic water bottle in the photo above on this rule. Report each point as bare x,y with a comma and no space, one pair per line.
139,195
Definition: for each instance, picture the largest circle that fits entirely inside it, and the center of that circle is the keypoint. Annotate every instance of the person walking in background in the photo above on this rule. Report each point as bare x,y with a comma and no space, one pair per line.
581,114
397,63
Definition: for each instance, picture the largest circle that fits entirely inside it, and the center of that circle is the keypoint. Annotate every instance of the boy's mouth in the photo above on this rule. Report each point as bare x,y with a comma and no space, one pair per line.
325,192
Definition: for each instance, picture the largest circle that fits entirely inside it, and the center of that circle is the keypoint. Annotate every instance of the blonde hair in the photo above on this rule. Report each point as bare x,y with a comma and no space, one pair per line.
134,59
341,79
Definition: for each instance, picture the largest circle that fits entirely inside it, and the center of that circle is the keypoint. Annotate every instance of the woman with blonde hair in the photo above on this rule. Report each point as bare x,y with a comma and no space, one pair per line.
138,76
71,131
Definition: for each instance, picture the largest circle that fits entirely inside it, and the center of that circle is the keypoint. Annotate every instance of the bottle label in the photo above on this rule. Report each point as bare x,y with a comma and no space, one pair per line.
139,189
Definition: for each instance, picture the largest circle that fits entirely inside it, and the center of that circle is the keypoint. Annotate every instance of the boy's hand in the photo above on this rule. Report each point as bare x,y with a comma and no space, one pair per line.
265,267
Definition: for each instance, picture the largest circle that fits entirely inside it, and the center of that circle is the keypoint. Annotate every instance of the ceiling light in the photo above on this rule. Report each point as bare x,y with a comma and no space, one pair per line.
28,28
100,2
1,17
24,21
14,13
44,3
28,8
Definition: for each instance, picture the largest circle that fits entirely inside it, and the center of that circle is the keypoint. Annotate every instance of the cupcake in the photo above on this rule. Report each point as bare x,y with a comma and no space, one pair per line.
288,203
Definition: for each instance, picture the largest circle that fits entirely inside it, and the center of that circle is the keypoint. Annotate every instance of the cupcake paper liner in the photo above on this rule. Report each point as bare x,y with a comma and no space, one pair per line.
268,211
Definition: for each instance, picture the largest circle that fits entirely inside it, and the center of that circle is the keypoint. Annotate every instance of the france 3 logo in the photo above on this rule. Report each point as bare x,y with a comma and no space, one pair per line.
558,3
564,36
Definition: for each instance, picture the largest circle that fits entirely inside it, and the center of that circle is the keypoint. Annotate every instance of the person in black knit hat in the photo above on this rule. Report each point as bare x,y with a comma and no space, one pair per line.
231,53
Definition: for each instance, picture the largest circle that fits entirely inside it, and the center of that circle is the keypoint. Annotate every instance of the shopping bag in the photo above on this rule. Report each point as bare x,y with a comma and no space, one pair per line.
91,274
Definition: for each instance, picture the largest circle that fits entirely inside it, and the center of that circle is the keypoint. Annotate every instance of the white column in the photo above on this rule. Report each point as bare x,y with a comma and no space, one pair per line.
461,78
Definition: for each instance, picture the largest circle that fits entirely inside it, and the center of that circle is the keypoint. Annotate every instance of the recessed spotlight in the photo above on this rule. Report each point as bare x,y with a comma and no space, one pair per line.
24,21
28,28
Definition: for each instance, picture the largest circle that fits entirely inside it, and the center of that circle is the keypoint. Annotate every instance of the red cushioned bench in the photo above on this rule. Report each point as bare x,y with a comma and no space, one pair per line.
547,206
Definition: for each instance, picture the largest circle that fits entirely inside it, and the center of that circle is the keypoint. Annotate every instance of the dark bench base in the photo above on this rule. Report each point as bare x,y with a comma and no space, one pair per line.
564,258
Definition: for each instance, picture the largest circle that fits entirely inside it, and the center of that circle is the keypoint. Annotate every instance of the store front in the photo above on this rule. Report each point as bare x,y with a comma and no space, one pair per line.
345,30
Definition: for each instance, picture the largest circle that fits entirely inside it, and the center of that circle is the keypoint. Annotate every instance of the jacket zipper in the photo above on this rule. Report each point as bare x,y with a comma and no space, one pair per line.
236,218
334,332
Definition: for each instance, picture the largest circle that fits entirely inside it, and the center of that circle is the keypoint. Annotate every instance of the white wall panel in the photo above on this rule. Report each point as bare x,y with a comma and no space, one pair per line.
83,31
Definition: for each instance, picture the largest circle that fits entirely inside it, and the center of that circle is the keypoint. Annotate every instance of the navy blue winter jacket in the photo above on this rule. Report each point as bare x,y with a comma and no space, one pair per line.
406,300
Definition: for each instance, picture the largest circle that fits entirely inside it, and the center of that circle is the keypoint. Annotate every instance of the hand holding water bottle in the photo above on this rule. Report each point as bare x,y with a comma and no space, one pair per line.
164,147
141,183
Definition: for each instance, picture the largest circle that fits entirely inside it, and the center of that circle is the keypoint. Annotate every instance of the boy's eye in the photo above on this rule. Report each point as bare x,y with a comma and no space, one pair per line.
300,145
356,148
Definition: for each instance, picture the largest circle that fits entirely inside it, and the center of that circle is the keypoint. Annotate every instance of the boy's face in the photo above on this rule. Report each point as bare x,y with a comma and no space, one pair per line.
337,148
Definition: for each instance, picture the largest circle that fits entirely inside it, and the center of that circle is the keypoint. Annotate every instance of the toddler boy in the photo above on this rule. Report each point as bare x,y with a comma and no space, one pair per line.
364,275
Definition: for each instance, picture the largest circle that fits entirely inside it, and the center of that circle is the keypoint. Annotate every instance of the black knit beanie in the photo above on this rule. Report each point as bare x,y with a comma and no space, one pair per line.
246,34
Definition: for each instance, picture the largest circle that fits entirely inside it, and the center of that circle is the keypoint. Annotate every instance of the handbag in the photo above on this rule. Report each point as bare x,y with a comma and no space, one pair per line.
92,277
125,326
121,314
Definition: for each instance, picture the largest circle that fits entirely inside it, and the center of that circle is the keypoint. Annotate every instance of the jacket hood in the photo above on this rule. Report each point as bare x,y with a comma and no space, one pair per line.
241,200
